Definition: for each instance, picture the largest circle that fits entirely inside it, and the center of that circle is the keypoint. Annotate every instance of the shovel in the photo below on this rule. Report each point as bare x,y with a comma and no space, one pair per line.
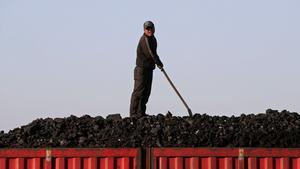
171,83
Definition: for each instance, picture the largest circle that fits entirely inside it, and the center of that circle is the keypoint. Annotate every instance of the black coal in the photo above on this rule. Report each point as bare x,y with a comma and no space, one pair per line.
270,129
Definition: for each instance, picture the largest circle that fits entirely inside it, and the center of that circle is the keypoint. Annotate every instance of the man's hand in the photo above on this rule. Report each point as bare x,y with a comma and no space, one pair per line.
160,65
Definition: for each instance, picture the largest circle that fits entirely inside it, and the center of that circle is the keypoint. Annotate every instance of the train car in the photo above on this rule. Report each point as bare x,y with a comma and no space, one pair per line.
150,158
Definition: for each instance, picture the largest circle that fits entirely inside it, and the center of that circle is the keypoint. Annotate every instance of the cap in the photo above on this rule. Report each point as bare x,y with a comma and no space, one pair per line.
148,24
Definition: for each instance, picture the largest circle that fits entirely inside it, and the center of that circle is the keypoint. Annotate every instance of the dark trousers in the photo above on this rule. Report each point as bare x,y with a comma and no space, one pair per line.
141,91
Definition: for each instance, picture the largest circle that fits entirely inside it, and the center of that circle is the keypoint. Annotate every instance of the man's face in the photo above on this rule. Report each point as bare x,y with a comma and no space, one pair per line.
149,31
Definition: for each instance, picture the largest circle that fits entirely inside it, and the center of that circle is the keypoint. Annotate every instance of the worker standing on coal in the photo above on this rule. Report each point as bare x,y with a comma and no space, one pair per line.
145,64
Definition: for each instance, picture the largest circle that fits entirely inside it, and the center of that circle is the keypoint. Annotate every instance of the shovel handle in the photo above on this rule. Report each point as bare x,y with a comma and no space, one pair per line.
173,86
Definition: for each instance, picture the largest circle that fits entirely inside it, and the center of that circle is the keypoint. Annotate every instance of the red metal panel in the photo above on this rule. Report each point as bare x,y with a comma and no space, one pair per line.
37,163
70,158
194,163
89,163
20,163
204,162
228,163
3,163
190,163
59,163
33,163
226,158
212,162
176,163
252,162
163,163
296,163
73,163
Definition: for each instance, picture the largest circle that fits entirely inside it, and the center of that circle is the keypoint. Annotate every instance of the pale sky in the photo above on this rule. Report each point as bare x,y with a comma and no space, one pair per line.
59,58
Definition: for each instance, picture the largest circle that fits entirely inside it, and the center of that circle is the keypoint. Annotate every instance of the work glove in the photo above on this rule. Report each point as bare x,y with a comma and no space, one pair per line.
160,65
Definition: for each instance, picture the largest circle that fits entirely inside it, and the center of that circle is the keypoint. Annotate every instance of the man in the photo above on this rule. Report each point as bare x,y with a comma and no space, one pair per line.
145,64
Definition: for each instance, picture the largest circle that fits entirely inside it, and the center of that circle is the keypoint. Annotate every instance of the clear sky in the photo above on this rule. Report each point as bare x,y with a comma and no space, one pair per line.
59,58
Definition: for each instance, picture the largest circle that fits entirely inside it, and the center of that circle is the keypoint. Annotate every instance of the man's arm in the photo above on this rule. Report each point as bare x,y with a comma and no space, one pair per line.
154,54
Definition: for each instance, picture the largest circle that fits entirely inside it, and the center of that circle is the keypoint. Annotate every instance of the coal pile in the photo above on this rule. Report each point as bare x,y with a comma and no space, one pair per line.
269,129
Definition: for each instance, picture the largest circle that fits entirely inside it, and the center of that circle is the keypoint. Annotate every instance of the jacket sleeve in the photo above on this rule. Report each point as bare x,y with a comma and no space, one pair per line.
153,52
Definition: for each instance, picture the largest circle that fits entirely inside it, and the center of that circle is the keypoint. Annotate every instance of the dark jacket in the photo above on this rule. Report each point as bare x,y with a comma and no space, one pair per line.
144,58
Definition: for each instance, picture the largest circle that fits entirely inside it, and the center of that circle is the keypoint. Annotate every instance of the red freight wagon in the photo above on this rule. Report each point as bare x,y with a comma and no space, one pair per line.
70,158
151,158
225,158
